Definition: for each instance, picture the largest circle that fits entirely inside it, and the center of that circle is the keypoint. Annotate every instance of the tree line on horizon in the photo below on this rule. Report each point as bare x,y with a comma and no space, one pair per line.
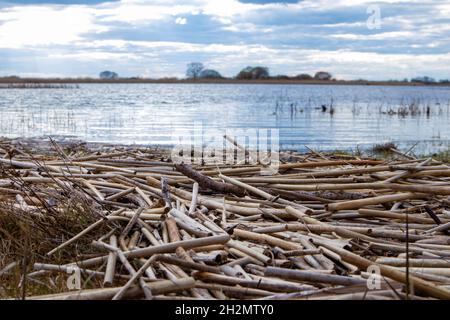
197,71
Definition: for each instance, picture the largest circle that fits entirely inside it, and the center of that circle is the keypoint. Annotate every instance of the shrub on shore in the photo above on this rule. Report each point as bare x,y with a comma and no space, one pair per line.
384,147
253,73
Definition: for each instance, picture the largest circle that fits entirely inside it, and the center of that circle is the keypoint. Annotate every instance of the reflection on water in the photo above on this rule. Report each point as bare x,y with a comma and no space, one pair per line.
322,117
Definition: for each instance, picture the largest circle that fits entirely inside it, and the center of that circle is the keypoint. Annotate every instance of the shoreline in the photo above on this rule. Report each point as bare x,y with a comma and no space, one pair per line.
23,81
45,145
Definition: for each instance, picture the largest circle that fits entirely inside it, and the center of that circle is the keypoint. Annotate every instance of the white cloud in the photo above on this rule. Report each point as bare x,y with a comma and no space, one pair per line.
181,20
290,60
95,56
377,36
243,33
137,12
44,26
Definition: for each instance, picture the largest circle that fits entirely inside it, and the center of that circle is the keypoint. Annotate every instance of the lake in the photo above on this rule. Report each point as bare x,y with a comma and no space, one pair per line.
322,117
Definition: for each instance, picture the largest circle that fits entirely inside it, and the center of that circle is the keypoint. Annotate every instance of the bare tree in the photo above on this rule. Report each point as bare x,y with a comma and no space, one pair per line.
194,69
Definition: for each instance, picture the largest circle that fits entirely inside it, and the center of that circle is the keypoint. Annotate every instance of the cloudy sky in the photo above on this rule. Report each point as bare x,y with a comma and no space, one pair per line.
156,38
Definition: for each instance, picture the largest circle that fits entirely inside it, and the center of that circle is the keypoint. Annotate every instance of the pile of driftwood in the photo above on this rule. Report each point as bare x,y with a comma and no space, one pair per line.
322,227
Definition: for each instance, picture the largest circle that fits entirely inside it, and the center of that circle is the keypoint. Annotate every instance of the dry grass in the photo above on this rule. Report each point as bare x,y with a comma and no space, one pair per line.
27,234
443,156
384,148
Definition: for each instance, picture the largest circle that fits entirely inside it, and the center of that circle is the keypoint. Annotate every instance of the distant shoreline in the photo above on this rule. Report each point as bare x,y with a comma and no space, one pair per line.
9,80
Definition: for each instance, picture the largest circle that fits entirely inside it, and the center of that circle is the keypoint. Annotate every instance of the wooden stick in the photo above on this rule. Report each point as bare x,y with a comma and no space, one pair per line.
120,194
132,222
264,195
135,276
159,287
193,204
111,264
392,273
310,276
356,204
85,231
208,183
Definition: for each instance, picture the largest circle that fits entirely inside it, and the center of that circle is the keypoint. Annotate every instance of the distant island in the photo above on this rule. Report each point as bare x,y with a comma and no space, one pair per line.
197,73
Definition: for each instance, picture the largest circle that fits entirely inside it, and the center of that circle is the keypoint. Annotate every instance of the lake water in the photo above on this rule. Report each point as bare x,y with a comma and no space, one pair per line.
150,113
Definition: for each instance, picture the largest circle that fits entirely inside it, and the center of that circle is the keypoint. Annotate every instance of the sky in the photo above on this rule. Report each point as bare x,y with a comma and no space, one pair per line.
352,39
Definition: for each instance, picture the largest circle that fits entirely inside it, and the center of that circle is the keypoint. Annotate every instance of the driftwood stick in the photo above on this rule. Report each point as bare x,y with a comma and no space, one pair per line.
178,215
132,222
188,264
111,264
8,268
424,263
356,204
264,195
264,238
172,230
237,292
393,215
159,287
406,173
85,231
163,248
262,283
311,276
136,275
208,183
129,268
390,272
120,194
193,204
440,228
253,253
165,192
144,197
